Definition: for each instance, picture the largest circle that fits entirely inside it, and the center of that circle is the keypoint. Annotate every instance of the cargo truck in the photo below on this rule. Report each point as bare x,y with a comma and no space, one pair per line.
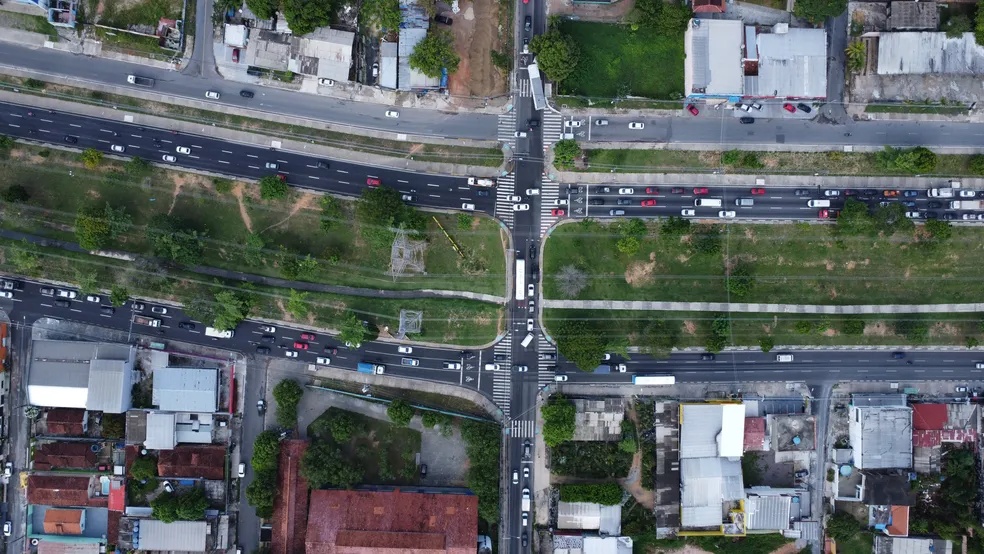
138,80
148,321
967,204
477,182
526,500
944,192
376,369
218,333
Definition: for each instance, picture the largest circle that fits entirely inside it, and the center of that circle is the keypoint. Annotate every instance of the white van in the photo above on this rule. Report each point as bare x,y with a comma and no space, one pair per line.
527,340
745,202
784,358
818,203
708,202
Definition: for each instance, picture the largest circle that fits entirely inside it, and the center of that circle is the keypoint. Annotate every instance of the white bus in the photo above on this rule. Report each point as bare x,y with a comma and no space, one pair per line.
527,340
653,379
520,279
213,332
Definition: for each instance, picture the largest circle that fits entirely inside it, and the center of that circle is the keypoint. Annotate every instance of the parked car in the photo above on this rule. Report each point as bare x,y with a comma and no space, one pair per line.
186,325
107,310
92,298
637,125
309,336
692,109
168,487
700,190
804,107
626,191
158,310
242,469
262,350
235,55
758,191
393,113
601,122
291,353
326,82
789,108
169,158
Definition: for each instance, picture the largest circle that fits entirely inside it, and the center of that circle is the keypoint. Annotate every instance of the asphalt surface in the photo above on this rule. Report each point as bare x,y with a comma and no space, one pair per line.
234,159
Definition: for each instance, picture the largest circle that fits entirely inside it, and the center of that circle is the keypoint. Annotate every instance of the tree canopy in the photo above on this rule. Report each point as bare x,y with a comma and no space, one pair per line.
352,331
174,243
580,343
606,494
854,219
558,420
144,468
96,226
230,308
266,451
262,492
288,395
667,18
915,160
264,9
565,152
384,14
400,413
323,465
434,53
304,16
272,188
815,11
482,444
189,506
557,54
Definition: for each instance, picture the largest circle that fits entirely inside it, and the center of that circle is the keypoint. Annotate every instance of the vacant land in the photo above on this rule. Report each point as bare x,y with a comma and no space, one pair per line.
611,56
476,34
916,108
32,23
590,460
789,263
125,14
385,452
833,163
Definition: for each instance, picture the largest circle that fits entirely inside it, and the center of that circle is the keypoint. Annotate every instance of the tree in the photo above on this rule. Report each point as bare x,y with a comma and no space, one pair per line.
288,395
815,11
323,465
803,327
720,333
957,25
91,228
17,194
137,167
891,219
272,188
916,160
191,505
557,54
667,18
434,53
979,26
706,240
201,307
977,164
857,55
262,492
482,443
91,158
740,281
565,152
843,527
331,212
297,304
380,13
628,446
118,295
6,143
558,421
571,281
144,468
87,281
264,9
400,413
352,332
173,243
579,343
606,494
25,257
674,227
938,229
342,427
266,452
113,426
230,308
659,339
165,507
854,326
767,344
628,245
304,16
854,219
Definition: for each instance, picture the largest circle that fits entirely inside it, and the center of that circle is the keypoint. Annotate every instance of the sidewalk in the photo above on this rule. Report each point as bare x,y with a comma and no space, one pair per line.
743,307
749,179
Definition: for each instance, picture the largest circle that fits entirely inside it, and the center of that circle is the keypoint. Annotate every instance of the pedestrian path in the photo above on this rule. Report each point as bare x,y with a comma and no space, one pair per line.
549,193
506,187
522,429
524,88
545,369
744,307
506,132
553,126
502,379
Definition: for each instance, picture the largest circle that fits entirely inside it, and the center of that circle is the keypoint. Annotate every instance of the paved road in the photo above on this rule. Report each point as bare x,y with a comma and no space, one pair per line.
271,100
234,159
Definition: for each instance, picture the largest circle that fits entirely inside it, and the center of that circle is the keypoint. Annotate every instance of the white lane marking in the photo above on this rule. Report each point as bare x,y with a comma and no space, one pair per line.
195,146
12,125
285,172
344,182
341,171
105,141
223,162
402,181
226,152
195,157
253,167
312,166
75,310
44,130
431,185
132,146
16,115
74,125
313,177
167,141
251,156
282,161
136,136
47,120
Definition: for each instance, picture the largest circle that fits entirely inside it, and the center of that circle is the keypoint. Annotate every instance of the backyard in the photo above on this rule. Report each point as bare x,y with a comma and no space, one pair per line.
611,58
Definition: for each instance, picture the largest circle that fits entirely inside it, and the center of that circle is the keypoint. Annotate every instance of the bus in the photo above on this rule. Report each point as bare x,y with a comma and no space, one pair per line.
520,279
536,87
213,332
653,379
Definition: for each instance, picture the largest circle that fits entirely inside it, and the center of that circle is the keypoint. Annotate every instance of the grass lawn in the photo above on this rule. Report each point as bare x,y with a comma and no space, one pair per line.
615,60
861,543
912,108
420,398
694,328
605,102
385,452
120,40
121,14
833,163
230,217
32,23
790,263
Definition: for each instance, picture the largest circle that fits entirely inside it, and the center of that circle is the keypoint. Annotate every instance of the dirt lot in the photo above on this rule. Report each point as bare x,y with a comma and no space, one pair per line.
610,13
476,35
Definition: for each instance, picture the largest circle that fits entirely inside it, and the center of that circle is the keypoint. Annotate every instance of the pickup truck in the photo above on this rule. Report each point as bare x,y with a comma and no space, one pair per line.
142,81
371,368
478,182
148,321
967,204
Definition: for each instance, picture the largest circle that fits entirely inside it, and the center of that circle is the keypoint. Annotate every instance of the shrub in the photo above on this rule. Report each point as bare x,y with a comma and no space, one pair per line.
607,494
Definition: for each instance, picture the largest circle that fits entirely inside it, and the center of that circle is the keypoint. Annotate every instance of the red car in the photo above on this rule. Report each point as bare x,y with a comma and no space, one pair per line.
235,55
692,109
301,345
700,191
677,190
648,203
556,211
372,182
823,214
652,190
758,191
789,108
308,336
282,177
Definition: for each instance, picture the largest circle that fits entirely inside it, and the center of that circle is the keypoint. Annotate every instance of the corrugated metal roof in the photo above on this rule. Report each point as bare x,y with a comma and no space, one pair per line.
918,53
768,513
109,386
705,484
709,430
329,51
793,64
713,57
187,536
76,374
388,55
186,389
160,431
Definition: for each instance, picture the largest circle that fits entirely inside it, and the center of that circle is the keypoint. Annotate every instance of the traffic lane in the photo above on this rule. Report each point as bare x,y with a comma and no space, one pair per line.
271,100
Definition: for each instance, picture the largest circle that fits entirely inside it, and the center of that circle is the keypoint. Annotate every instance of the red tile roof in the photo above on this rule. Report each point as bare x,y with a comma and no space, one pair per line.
63,522
705,6
754,433
290,507
55,455
117,495
112,527
899,527
205,462
958,435
56,490
367,522
66,421
925,439
931,417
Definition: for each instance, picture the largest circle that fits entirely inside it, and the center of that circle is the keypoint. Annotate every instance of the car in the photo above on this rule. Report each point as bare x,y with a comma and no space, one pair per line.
601,122
186,325
727,214
526,539
652,190
960,389
372,181
557,212
700,190
830,192
7,528
138,306
743,107
648,203
789,108
688,212
914,215
71,140
898,355
890,193
500,357
118,148
521,207
520,134
677,190
268,165
407,197
169,158
309,336
413,362
451,365
491,367
623,201
560,378
707,357
758,191
532,192
966,216
803,192
468,207
637,125
70,294
966,193
8,469
375,69
47,291
626,191
246,93
63,303
262,350
514,198
404,349
934,205
281,177
212,94
235,55
603,190
948,216
158,309
301,345
392,113
515,476
560,202
804,107
290,353
528,24
168,487
930,215
574,122
521,368
909,204
269,339
533,123
529,324
268,328
914,193
606,356
547,356
526,472
326,82
92,298
693,109
6,294
530,290
756,105
850,192
823,214
186,150
746,120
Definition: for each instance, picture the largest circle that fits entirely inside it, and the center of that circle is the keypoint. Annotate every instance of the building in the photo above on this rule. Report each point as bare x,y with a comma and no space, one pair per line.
413,520
324,53
186,389
75,374
66,422
389,53
588,516
910,15
290,507
193,462
598,419
64,522
893,545
708,6
917,53
60,13
64,455
769,509
181,536
756,439
57,490
880,432
713,55
711,446
583,544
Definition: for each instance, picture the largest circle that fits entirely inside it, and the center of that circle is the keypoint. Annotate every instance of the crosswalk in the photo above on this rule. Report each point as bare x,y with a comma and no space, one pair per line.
553,126
502,379
506,187
549,192
524,88
522,429
545,369
506,130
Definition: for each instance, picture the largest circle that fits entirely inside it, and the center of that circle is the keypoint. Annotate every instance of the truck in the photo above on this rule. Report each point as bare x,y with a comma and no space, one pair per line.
526,500
944,192
148,321
480,182
213,332
376,369
967,204
653,379
138,80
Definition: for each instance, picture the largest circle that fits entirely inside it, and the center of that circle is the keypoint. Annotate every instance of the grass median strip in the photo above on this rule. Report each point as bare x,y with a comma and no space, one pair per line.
466,155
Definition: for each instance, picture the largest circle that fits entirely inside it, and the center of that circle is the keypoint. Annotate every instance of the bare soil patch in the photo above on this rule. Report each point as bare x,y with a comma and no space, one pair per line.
689,327
476,29
237,191
877,329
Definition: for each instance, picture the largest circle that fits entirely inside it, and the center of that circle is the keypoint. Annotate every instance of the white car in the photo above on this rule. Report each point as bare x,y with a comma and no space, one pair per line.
515,477
169,158
727,214
268,328
530,290
526,472
560,202
7,528
242,469
688,213
323,361
521,207
468,207
212,94
515,198
966,216
392,113
519,134
532,192
831,193
560,378
637,125
412,362
291,353
601,122
70,294
6,294
574,122
913,215
158,309
606,356
522,368
404,349
92,298
8,469
451,365
626,191
326,82
117,148
532,307
183,150
272,165
965,193
492,367
526,519
620,368
529,325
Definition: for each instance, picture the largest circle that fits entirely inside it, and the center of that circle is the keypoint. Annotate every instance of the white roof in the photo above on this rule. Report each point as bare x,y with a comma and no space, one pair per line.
705,485
793,64
235,35
916,53
589,516
767,513
881,437
388,55
160,431
186,536
79,374
713,57
109,386
710,430
331,48
186,389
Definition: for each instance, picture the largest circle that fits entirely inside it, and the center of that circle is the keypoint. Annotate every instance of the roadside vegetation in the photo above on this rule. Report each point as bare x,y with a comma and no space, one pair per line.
601,460
262,490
